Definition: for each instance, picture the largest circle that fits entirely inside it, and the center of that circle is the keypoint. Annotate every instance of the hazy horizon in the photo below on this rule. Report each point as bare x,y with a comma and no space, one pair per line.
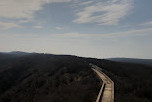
76,55
98,29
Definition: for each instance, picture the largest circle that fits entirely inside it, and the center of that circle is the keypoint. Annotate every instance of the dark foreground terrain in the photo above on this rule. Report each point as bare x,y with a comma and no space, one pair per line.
32,77
46,78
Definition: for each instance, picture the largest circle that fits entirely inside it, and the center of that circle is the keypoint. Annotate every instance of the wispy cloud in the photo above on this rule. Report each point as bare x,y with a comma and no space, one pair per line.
31,35
108,12
23,9
59,28
139,32
146,23
23,21
7,25
86,3
38,27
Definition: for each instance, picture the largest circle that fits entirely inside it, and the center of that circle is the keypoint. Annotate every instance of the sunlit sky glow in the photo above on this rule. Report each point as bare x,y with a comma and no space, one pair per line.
90,28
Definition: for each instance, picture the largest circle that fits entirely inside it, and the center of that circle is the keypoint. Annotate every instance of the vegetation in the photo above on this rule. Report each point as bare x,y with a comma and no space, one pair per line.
48,78
62,78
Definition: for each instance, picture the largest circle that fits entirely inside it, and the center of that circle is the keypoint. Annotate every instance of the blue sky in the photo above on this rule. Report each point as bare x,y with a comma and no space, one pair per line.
90,28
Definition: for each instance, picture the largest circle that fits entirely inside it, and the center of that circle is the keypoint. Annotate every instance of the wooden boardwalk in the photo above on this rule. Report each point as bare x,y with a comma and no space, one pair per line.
106,93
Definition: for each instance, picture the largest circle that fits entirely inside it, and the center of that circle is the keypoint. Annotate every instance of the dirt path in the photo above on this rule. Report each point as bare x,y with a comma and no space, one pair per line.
107,90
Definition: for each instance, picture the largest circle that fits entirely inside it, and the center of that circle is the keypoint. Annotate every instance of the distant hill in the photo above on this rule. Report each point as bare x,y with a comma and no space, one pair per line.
16,53
9,57
133,60
19,53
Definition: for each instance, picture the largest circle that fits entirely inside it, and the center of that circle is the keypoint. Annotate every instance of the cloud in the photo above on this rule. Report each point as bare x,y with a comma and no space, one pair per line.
147,23
139,32
7,25
86,3
23,21
59,28
16,35
38,27
108,12
23,9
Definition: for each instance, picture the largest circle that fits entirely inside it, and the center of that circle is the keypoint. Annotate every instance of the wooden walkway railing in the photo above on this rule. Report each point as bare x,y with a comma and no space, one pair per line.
106,93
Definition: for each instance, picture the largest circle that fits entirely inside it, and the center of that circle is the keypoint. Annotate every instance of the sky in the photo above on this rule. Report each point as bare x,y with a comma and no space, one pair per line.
89,28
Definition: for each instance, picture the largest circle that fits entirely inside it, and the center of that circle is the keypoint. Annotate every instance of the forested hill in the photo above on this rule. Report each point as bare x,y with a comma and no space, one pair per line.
46,78
33,77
